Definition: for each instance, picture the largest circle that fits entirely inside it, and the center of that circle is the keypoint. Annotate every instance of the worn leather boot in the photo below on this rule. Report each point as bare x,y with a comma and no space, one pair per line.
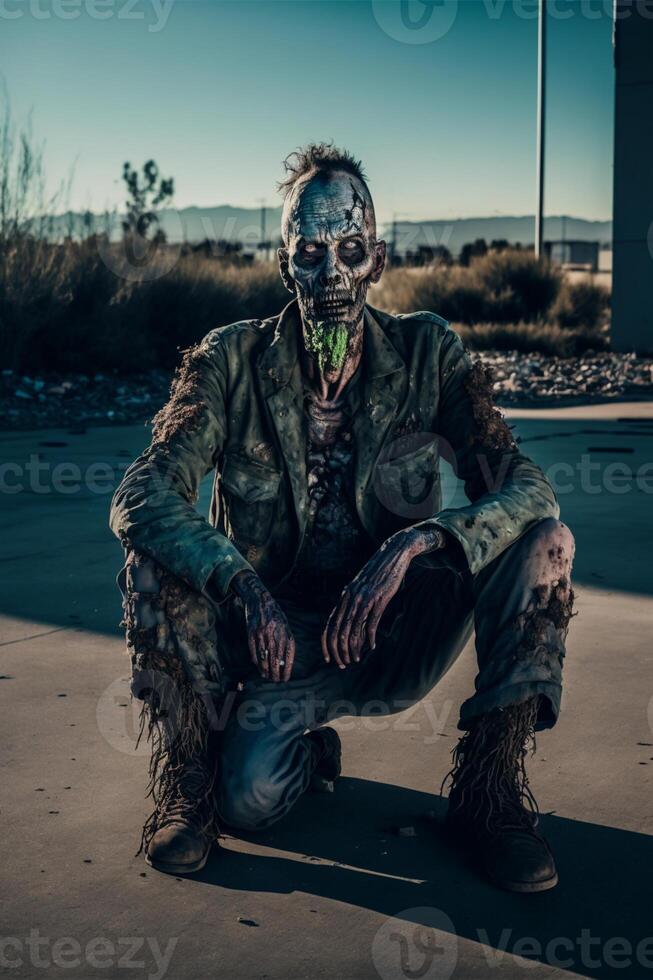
492,810
327,753
185,824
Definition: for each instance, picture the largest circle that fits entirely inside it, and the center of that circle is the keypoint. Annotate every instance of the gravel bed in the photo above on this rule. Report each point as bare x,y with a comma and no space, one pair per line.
538,379
56,401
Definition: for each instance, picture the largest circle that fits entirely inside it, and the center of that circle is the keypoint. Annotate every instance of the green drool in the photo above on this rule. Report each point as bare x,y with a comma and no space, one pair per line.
329,343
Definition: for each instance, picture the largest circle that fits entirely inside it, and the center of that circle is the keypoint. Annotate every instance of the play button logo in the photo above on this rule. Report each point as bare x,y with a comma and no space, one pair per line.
416,944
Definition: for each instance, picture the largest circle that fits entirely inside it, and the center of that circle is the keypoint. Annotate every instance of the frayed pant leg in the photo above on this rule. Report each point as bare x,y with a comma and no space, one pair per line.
172,642
523,602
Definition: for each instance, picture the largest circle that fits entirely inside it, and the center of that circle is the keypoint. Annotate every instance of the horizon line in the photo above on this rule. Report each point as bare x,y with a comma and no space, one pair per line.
400,221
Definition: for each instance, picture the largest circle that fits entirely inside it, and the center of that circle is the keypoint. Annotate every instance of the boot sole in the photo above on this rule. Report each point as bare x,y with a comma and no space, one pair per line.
458,838
179,869
524,887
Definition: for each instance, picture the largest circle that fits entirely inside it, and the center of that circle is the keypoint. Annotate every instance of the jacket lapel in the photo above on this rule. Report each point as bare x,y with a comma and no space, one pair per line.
281,383
383,385
384,382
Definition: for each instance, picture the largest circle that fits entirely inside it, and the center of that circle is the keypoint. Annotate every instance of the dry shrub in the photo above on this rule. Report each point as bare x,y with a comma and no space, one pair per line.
581,304
531,338
63,309
500,287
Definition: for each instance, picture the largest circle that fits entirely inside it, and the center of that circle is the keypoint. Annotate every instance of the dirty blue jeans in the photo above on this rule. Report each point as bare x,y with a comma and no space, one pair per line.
519,607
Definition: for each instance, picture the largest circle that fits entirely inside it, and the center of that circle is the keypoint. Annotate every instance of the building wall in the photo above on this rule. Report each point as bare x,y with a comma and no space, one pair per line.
632,296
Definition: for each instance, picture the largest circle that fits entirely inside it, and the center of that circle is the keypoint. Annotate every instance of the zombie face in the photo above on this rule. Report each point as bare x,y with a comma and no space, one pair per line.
331,256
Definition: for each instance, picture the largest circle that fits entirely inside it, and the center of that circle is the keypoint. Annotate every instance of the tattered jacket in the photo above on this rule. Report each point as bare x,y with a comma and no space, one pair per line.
236,408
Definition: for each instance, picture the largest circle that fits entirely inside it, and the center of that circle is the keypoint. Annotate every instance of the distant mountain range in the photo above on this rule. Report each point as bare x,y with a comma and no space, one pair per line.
195,224
457,232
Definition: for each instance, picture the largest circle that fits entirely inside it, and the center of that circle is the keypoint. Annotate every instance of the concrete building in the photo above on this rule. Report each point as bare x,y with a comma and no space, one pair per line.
632,296
574,254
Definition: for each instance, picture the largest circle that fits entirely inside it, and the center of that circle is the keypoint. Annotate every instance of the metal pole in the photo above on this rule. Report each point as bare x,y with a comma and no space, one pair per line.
262,243
541,99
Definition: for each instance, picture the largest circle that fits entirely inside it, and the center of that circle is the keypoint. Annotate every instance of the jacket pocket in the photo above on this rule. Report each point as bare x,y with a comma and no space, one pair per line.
251,493
408,485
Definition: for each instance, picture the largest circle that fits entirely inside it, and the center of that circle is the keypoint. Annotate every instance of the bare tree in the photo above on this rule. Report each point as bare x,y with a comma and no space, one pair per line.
146,192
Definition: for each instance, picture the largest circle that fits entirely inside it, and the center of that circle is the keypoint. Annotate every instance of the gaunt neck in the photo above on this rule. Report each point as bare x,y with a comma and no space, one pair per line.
328,385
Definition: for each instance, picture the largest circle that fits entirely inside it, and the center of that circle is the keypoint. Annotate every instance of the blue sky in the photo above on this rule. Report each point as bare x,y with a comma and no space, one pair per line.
438,101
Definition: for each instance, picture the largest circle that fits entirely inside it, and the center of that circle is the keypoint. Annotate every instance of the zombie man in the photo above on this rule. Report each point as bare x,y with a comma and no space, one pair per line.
329,579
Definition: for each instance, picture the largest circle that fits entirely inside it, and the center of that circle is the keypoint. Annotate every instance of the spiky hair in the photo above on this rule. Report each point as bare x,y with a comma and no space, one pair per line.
319,158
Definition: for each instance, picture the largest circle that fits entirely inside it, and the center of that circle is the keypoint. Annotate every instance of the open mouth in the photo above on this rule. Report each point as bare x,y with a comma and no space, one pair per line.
333,308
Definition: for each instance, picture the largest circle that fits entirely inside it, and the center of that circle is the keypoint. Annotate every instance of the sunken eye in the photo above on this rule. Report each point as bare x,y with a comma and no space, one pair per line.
351,251
310,252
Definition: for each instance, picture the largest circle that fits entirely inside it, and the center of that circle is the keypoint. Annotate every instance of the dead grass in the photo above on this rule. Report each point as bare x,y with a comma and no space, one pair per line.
530,338
62,308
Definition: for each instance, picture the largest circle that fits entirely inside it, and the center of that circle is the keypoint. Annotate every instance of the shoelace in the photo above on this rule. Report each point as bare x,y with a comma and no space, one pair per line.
189,800
514,816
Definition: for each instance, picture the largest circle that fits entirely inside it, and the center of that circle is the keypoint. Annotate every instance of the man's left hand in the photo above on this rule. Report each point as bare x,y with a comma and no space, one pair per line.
355,619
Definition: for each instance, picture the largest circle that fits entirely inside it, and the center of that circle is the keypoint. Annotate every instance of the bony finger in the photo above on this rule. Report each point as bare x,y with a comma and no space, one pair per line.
348,618
274,658
330,632
263,653
256,647
357,630
290,658
280,643
372,624
343,645
354,616
325,649
251,643
358,637
333,634
331,653
334,647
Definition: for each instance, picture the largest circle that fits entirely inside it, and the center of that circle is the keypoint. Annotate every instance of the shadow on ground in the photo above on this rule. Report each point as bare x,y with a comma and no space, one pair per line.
347,850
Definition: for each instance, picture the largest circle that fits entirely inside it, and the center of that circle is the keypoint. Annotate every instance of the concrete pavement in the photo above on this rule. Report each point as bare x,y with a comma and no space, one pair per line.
313,897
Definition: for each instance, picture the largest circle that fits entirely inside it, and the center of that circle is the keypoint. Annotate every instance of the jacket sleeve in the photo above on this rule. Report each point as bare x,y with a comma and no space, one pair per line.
153,508
508,492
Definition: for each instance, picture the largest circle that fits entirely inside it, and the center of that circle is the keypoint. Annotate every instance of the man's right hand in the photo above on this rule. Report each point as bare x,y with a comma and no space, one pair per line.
271,644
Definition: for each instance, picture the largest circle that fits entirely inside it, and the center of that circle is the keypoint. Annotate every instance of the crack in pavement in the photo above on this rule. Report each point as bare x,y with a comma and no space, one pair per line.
35,636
